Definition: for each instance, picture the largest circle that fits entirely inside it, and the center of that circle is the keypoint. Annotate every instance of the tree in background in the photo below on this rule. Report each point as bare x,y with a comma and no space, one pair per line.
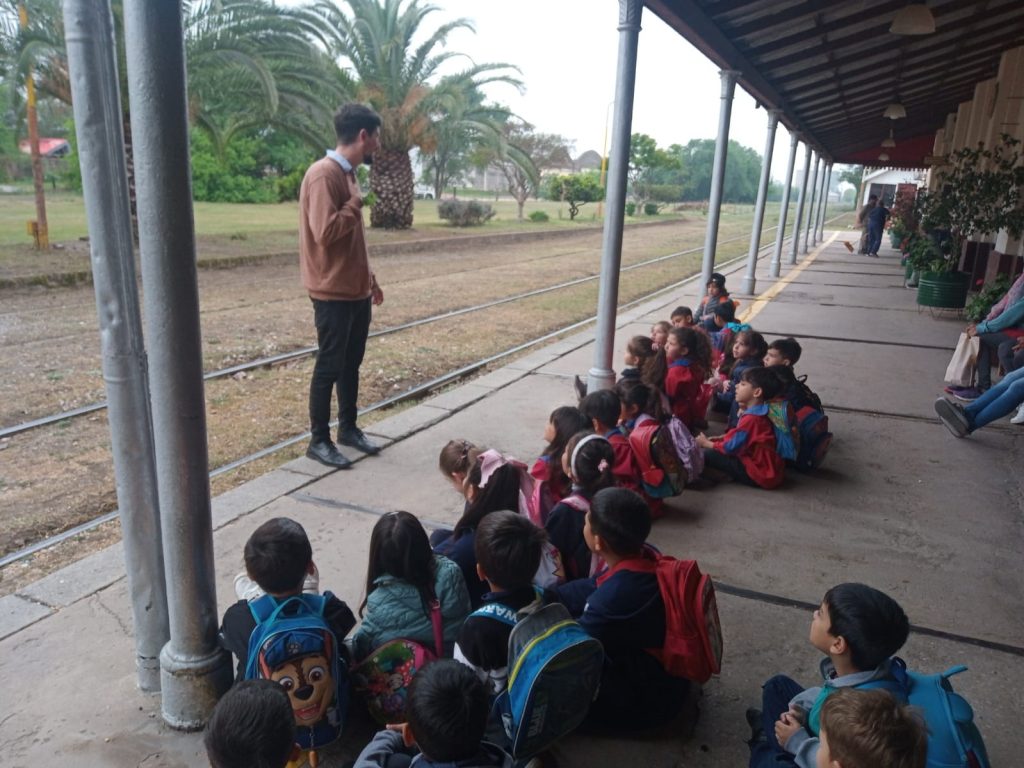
575,189
742,171
394,76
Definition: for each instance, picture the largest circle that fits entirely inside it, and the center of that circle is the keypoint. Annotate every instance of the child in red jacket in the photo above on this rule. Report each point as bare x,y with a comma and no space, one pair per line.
603,409
687,361
747,452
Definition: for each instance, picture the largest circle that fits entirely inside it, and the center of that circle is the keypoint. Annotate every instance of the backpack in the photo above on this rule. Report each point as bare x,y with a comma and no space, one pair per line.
693,632
812,423
661,472
788,439
690,455
299,651
383,677
554,672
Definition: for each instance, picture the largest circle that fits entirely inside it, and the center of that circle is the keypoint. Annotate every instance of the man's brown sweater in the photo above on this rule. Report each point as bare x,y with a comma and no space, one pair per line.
332,245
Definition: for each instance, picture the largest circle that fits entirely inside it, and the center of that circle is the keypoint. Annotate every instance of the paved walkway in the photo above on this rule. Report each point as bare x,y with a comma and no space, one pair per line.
934,521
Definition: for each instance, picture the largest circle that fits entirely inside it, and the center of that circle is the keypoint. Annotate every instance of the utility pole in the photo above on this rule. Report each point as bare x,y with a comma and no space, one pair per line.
38,228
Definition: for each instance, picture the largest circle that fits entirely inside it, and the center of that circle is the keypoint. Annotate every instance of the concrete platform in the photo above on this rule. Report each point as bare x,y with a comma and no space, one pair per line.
934,521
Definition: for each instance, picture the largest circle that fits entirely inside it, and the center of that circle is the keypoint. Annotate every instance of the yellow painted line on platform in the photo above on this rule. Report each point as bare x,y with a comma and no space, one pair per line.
762,301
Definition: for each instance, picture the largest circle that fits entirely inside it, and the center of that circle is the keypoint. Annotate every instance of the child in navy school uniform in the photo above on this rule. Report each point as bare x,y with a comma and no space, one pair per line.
623,608
747,453
587,460
564,422
748,350
603,408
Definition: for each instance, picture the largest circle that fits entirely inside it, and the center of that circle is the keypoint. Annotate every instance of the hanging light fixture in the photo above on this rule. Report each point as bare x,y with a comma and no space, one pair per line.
895,111
914,19
884,157
890,142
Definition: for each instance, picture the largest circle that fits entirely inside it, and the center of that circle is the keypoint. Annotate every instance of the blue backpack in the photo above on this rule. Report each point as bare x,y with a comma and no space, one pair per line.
297,649
554,671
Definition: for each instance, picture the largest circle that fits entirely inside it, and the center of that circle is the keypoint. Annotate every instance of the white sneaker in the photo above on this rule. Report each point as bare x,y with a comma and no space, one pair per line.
1019,418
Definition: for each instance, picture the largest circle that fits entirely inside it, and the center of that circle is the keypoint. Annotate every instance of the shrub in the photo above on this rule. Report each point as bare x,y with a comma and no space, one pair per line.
287,186
464,213
630,209
979,305
651,209
539,216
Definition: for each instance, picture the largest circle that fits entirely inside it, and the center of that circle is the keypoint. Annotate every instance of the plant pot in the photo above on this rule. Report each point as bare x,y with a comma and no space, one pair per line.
908,270
945,290
912,277
895,239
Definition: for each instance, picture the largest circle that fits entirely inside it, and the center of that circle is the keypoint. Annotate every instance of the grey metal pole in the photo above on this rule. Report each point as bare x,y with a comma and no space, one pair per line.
810,208
800,205
776,263
750,280
89,41
817,207
824,204
718,174
194,671
601,375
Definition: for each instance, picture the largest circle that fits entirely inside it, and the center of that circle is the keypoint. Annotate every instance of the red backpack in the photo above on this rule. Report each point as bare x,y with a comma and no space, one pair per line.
693,632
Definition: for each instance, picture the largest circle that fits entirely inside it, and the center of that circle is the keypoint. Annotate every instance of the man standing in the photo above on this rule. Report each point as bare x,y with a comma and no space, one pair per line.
336,273
876,219
862,222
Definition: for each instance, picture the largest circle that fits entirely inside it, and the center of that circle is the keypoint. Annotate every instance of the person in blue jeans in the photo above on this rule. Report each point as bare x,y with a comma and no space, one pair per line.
997,402
876,224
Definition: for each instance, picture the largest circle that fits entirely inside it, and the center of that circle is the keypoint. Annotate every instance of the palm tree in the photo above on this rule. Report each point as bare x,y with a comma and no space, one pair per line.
395,78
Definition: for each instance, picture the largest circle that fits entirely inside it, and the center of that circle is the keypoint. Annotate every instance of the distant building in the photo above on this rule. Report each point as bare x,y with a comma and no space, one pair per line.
588,161
883,182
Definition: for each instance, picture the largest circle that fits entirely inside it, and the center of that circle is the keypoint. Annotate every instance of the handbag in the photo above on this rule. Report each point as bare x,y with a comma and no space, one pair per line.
383,677
960,371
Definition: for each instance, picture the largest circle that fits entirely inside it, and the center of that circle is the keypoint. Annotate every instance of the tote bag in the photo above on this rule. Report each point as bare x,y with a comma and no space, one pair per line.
960,371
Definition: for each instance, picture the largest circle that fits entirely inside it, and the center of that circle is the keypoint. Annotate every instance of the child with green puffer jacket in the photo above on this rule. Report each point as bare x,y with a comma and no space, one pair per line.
403,580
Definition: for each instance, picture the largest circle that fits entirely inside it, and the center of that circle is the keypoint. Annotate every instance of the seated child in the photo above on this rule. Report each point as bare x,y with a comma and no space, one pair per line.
747,452
859,628
641,405
508,552
603,409
637,358
723,317
252,725
686,364
491,482
716,294
659,332
564,422
278,557
866,729
447,715
623,608
404,579
682,317
587,460
783,352
748,350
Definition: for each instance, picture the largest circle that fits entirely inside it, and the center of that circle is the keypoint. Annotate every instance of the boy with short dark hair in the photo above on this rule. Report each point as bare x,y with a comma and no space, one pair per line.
682,317
508,554
859,628
867,729
622,607
279,558
783,352
604,408
447,713
252,726
747,453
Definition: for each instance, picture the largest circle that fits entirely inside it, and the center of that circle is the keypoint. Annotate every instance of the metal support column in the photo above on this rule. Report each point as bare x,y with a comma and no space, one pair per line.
91,51
810,208
750,280
817,208
800,205
194,672
776,263
601,375
824,204
718,174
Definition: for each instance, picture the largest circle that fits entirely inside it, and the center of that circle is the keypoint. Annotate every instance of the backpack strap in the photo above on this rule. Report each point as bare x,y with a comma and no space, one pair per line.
577,502
267,608
435,620
498,611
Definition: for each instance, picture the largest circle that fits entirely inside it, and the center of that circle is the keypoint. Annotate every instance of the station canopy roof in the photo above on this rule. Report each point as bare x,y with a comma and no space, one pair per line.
832,66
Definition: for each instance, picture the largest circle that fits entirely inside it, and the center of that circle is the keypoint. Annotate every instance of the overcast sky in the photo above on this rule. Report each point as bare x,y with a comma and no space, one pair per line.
567,50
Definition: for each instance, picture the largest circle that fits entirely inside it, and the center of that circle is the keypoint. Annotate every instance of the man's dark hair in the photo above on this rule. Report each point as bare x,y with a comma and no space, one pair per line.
252,726
872,623
725,310
447,711
603,405
621,518
508,548
789,348
352,118
763,379
277,555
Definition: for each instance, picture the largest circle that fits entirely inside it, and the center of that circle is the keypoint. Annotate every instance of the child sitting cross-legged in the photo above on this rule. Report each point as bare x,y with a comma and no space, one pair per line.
624,609
747,452
603,408
447,715
252,725
279,559
508,553
868,729
859,628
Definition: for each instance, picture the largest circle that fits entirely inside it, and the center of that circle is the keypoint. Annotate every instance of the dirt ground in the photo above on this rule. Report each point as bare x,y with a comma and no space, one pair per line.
61,475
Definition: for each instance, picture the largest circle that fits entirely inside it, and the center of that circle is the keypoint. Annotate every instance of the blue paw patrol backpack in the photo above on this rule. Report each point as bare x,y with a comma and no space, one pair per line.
293,646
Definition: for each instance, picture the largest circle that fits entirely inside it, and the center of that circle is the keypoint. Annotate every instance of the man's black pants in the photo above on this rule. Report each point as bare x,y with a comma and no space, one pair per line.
341,331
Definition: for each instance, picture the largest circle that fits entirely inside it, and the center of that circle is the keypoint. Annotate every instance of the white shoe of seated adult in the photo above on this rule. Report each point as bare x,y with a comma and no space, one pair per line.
1019,418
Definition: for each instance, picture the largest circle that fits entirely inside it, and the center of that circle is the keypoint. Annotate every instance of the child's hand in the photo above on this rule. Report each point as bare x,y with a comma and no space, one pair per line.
704,442
727,386
785,727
